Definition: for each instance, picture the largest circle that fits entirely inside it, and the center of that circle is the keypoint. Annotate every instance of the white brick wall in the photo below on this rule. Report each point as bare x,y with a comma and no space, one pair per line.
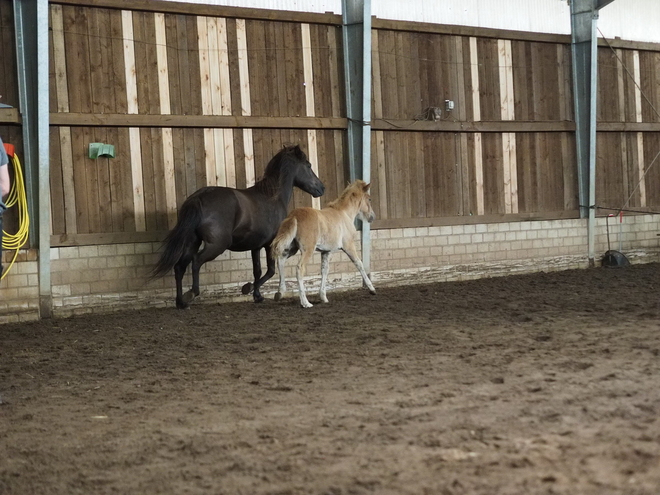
109,277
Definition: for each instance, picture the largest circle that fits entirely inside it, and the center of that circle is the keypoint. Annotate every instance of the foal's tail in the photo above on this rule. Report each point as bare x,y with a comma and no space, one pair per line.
179,238
285,236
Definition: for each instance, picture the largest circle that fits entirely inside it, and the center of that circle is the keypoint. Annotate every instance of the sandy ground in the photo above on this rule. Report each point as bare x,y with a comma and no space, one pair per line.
535,384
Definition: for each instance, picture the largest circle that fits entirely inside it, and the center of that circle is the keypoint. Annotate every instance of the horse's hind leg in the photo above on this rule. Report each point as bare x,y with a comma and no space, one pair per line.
280,268
210,252
300,274
325,266
183,300
270,271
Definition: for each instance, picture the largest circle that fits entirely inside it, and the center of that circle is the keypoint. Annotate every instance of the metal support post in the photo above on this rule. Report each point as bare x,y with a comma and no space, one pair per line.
356,15
31,25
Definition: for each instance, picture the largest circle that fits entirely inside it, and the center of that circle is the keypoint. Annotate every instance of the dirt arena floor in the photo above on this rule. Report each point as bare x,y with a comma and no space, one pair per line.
534,384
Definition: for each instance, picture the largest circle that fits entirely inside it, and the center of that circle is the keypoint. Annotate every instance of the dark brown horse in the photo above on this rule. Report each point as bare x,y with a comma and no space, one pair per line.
235,219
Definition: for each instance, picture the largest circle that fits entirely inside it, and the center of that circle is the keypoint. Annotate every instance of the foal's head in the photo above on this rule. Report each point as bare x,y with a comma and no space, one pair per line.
365,211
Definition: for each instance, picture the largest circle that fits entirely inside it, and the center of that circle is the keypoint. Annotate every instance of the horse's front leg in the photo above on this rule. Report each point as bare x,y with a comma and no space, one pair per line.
270,271
349,249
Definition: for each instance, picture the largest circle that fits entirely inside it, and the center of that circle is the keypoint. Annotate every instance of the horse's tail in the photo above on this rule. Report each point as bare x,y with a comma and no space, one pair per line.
179,238
285,236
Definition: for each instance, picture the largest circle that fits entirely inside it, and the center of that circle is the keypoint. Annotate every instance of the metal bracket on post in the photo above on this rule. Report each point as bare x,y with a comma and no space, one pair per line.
356,17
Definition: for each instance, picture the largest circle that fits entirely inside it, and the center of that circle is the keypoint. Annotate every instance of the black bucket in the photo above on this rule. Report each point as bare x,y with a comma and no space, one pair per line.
614,258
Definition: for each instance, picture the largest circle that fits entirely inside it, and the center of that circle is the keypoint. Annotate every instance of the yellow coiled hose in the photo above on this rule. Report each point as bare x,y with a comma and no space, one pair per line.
18,197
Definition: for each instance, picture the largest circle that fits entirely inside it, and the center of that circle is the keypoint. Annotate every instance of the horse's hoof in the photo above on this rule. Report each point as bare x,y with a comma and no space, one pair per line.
372,292
182,305
278,296
307,306
259,298
247,288
188,298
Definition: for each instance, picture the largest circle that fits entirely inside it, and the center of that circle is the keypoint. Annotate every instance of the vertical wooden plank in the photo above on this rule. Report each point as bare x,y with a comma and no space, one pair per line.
59,54
308,82
57,218
101,61
146,59
508,139
134,132
401,77
459,70
640,136
225,102
207,105
489,87
377,87
216,100
390,102
336,83
320,70
563,83
246,107
461,114
164,100
432,175
129,61
476,111
493,173
622,117
77,51
379,142
417,179
62,91
295,90
244,74
256,54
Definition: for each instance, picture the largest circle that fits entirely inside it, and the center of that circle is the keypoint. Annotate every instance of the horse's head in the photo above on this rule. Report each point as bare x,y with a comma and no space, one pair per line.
303,175
365,211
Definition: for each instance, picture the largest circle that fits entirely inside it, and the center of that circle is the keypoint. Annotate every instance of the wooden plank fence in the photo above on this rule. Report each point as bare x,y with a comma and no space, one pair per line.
195,95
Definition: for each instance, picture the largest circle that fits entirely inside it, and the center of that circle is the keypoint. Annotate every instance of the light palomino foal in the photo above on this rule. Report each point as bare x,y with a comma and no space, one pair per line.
326,230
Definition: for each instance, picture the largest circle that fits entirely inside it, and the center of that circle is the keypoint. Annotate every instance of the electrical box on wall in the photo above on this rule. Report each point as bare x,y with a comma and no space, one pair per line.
449,105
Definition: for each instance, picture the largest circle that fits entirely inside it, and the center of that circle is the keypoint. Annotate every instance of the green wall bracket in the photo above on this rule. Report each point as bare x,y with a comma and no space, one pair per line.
99,150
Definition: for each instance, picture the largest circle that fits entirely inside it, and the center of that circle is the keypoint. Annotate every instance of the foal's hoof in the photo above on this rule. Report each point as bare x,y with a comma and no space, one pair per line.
278,296
188,298
247,288
372,292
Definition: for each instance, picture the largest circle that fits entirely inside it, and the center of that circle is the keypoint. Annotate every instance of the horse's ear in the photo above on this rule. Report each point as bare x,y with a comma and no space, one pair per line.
366,187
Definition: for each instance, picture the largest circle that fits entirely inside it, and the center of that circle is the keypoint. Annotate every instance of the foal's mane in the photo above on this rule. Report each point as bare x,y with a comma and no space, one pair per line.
271,182
352,191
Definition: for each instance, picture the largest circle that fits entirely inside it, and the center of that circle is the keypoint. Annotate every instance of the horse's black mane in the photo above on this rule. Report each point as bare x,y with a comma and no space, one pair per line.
272,179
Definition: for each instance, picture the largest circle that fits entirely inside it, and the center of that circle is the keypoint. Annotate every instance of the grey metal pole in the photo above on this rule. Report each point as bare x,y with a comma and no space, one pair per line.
43,120
356,18
366,127
593,98
31,24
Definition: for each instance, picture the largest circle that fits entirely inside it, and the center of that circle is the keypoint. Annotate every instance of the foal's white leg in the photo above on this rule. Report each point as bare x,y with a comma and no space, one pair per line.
280,268
349,249
325,265
300,274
